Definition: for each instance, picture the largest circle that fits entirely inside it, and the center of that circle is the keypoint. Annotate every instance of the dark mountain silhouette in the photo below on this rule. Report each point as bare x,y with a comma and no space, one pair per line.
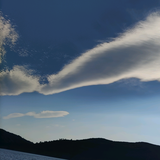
9,138
12,141
87,149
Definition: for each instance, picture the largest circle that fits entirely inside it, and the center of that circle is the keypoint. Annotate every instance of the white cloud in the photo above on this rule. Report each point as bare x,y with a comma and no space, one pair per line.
8,35
48,114
13,115
18,80
135,53
43,114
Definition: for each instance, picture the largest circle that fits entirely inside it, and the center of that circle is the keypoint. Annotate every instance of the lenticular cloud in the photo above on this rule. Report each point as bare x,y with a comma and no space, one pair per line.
43,114
135,53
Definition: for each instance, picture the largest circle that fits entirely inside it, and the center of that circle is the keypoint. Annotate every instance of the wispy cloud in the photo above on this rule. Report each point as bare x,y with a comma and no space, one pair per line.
8,35
43,114
135,53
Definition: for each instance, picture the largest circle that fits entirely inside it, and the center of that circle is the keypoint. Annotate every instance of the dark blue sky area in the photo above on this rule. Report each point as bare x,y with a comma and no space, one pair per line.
55,32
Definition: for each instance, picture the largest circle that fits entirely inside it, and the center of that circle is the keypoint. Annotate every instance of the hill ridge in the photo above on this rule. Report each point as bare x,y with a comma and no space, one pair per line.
86,149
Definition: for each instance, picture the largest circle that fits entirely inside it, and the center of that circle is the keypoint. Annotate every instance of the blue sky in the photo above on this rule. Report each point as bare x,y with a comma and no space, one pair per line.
80,69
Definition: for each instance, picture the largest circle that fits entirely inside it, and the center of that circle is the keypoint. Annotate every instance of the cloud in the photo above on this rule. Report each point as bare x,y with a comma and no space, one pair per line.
43,114
8,35
14,115
18,80
48,114
135,53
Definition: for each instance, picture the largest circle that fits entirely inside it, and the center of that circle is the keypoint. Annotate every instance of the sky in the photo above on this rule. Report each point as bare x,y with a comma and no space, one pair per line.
80,69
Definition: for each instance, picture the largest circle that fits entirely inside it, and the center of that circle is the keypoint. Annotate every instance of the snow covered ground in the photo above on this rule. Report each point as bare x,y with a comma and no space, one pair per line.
6,154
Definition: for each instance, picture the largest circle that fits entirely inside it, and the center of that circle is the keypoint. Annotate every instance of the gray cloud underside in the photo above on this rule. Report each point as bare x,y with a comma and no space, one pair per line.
135,53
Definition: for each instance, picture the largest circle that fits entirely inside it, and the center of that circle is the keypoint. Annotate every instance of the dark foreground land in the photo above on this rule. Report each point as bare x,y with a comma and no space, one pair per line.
87,149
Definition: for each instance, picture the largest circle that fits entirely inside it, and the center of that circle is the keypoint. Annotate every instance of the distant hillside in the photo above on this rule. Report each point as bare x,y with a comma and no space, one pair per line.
100,149
87,149
7,137
13,141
